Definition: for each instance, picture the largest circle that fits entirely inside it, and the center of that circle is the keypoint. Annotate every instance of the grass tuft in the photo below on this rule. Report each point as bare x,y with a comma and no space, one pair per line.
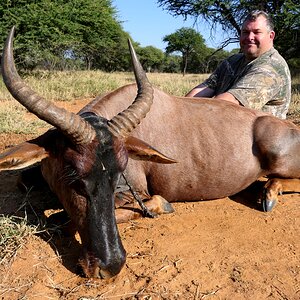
13,234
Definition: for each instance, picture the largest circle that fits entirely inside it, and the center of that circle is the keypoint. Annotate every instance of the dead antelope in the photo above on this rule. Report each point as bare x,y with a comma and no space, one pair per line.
221,149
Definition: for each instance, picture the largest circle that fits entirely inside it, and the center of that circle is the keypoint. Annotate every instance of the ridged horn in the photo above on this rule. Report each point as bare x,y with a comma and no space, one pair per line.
77,129
122,124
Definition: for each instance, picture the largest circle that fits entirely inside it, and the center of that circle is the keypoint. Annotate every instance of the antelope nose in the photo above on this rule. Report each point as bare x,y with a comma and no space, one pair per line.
93,267
111,269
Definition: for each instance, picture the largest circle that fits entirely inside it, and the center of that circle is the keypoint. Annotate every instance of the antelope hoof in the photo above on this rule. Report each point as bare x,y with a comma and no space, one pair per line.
268,205
158,205
167,207
164,207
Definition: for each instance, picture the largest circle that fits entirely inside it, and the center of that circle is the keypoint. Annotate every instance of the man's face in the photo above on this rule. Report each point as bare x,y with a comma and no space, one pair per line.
255,38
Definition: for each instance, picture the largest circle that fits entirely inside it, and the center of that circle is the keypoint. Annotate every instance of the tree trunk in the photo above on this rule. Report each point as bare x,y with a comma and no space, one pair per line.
185,60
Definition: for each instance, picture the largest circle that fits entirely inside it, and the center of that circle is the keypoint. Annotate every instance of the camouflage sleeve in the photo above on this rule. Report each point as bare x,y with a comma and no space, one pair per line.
258,86
212,80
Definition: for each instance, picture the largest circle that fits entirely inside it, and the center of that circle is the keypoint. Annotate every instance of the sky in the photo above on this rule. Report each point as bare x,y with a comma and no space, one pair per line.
147,24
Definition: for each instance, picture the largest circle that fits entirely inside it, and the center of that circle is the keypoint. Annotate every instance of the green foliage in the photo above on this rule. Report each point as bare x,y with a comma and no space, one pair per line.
187,41
287,27
151,58
85,34
49,33
230,14
172,64
208,61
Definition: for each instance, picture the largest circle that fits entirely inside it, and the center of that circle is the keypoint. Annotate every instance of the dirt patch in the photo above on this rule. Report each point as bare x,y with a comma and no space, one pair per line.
222,249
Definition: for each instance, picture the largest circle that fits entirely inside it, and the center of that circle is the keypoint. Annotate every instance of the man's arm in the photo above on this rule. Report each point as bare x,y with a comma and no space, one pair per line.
204,91
228,97
201,91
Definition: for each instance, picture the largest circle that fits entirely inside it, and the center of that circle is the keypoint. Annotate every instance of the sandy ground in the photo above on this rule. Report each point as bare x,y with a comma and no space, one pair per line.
221,249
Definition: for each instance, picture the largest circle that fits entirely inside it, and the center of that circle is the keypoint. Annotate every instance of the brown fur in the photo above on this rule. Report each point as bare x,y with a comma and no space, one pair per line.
221,148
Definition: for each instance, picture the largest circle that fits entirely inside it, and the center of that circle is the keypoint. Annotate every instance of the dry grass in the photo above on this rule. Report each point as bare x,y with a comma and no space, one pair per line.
13,234
176,84
72,85
66,86
13,119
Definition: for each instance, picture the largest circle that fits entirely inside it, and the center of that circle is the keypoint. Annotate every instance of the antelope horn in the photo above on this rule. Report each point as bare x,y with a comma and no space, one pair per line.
77,129
122,124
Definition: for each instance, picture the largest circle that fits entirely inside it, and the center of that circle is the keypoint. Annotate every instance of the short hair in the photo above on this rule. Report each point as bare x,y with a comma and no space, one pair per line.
253,15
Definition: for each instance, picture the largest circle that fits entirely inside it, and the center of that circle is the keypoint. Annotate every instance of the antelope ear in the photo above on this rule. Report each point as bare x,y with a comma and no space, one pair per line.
139,150
21,156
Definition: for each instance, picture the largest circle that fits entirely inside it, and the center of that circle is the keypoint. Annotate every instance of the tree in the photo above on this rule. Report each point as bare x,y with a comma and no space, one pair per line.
151,58
186,41
51,32
230,13
171,63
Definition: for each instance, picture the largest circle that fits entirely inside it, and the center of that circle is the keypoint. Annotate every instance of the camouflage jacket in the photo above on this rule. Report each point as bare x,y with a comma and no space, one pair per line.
263,84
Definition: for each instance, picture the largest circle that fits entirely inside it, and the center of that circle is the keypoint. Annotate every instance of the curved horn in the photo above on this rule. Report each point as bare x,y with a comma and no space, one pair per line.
77,129
123,123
